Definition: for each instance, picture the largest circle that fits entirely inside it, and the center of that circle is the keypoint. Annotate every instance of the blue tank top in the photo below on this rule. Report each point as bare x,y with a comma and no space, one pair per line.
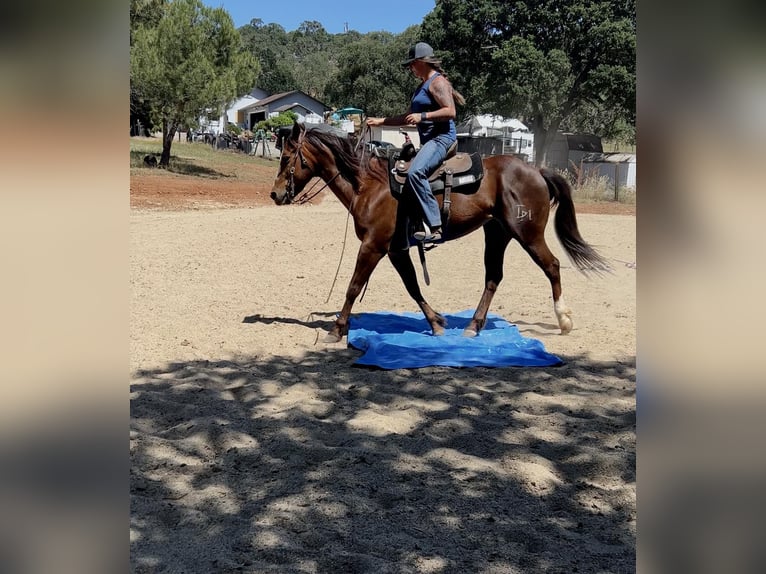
423,102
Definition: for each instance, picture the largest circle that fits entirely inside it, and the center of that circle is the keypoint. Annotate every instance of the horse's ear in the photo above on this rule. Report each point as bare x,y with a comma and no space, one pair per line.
298,130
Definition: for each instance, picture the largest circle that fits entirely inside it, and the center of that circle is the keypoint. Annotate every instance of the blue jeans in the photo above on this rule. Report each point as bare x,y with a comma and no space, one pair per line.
428,158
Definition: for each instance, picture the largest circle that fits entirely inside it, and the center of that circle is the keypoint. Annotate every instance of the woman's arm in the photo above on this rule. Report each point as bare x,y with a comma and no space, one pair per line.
401,120
388,121
441,91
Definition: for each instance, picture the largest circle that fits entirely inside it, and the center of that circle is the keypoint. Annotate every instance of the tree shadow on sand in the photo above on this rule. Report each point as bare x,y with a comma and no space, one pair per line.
292,466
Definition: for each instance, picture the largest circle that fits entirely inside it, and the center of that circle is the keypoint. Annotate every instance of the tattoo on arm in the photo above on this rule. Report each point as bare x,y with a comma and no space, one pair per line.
441,90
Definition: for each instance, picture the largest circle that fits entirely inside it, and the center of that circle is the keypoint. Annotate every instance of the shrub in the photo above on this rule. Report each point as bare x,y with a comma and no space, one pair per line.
233,129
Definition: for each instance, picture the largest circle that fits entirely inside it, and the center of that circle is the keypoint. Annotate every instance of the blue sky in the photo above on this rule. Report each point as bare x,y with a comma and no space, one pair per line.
363,16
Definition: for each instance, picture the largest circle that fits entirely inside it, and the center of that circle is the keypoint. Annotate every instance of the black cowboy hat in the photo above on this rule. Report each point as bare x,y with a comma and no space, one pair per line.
418,51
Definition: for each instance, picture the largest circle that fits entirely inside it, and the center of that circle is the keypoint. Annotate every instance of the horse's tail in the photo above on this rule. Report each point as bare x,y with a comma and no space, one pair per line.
582,255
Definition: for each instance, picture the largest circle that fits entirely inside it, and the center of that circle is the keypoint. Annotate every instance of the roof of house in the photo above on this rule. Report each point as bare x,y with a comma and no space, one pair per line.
276,97
244,102
286,107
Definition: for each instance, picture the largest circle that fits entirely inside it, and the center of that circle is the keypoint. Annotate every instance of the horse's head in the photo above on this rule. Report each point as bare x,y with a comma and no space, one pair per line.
294,171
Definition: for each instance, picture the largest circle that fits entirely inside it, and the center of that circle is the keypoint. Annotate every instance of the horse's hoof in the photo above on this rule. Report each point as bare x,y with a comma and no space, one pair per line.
437,331
332,338
470,333
564,315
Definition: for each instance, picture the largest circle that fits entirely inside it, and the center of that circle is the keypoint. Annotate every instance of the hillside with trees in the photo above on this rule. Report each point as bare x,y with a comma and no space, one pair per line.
556,65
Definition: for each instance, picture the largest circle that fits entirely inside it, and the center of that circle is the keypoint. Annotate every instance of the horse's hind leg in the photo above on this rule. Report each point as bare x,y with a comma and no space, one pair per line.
403,264
496,239
540,253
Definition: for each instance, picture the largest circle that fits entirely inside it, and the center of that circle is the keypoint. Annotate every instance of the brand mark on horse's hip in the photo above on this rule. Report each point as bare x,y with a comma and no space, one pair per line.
522,213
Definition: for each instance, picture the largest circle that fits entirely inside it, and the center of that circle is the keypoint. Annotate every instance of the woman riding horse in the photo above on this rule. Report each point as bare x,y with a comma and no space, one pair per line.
432,110
512,201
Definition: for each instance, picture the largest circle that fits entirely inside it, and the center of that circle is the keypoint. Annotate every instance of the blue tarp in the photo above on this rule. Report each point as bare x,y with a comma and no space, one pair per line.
404,341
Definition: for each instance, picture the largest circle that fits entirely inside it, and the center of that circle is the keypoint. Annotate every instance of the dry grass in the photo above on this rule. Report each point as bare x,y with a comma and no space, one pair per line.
595,189
196,158
589,188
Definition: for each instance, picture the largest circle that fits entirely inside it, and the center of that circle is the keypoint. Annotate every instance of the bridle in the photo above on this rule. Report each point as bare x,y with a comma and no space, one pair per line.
290,185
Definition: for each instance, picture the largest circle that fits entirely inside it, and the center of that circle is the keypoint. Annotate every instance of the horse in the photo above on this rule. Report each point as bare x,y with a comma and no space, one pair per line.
512,201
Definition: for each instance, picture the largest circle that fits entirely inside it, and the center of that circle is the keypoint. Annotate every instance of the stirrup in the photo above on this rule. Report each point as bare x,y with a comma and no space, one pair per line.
426,235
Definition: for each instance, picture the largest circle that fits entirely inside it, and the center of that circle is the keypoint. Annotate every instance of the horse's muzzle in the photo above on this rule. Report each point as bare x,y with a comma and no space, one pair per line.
280,199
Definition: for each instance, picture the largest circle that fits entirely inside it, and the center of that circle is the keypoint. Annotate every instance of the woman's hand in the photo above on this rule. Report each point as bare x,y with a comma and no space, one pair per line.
372,122
414,118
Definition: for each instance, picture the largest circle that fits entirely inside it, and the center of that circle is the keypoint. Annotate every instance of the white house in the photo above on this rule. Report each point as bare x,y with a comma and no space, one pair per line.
301,103
235,111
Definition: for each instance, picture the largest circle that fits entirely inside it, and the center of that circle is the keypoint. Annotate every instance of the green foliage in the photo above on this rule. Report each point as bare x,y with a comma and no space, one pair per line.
545,62
145,14
189,63
299,60
287,118
611,125
555,64
349,69
370,76
270,45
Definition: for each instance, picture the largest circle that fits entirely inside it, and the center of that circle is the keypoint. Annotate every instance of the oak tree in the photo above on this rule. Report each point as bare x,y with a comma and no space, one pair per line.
543,61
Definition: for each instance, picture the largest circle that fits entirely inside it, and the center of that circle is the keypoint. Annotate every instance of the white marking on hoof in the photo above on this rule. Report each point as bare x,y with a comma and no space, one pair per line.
564,316
470,333
332,338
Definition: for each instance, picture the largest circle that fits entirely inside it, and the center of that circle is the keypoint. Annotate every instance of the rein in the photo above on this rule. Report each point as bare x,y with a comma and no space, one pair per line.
306,196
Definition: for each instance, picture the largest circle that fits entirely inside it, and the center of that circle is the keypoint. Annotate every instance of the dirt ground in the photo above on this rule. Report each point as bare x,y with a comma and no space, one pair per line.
255,447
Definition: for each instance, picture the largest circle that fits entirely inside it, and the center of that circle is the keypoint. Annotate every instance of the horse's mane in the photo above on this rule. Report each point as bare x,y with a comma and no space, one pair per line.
353,165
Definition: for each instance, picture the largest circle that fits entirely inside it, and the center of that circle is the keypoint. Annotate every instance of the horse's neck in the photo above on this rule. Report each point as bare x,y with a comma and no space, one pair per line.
341,187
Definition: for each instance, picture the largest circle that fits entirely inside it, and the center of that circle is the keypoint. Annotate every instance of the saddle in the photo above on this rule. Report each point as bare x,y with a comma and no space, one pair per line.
461,172
458,170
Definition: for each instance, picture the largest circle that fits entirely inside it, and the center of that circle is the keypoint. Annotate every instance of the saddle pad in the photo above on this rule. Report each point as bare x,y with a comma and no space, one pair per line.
404,341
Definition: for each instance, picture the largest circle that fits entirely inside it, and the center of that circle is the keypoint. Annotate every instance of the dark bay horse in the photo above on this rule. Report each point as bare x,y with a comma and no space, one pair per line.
513,201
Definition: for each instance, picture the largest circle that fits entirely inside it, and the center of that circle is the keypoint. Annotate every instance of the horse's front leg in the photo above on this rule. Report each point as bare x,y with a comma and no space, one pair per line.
367,259
403,264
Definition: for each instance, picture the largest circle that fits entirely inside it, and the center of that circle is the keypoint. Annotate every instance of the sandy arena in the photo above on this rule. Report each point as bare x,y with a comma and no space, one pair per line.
255,447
